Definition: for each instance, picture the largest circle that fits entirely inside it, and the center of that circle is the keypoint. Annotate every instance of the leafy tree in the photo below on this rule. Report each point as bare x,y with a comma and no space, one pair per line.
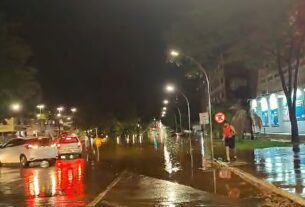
260,34
17,78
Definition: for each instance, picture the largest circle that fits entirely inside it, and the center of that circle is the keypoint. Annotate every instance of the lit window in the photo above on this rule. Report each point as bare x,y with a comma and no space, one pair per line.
299,93
273,102
254,104
264,104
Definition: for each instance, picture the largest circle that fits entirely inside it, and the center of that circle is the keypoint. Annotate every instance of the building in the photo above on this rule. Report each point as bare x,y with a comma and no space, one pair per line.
232,82
271,105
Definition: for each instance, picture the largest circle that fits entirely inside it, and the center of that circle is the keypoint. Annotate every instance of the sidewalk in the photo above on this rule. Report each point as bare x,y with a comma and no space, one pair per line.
282,167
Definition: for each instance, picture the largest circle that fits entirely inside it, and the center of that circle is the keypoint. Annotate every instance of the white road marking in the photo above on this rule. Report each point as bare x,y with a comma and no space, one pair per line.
104,193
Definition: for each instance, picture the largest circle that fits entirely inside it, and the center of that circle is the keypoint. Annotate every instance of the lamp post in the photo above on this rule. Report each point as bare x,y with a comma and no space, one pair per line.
171,89
74,110
15,107
175,54
40,107
39,116
59,109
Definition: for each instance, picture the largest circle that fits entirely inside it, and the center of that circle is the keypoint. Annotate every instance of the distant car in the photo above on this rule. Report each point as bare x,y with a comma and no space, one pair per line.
25,151
69,147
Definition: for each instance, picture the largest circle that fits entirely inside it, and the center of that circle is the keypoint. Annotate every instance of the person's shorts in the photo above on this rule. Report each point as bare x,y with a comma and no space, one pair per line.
230,142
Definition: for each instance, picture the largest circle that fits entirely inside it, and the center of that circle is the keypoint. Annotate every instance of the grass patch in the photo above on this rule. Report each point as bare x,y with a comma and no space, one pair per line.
258,144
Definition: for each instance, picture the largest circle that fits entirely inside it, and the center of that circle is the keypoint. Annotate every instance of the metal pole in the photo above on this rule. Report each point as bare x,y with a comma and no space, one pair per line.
175,116
188,109
209,100
180,119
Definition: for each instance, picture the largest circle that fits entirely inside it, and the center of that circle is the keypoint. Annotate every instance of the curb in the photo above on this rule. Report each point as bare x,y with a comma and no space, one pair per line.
263,185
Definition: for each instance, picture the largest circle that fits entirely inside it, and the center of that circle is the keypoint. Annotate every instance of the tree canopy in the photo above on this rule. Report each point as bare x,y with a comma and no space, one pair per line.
18,81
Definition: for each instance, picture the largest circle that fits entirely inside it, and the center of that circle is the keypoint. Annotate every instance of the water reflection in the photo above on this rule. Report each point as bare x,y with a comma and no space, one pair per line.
65,179
284,167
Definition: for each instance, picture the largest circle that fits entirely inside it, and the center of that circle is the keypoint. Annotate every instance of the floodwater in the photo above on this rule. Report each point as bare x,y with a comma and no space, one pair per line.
281,166
162,171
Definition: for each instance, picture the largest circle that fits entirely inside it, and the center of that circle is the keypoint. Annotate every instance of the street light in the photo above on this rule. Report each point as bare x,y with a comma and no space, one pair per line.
60,109
170,88
73,110
15,107
165,102
174,54
164,108
40,107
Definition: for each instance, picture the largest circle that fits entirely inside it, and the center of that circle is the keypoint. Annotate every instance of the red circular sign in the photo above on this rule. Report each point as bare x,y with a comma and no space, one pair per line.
219,117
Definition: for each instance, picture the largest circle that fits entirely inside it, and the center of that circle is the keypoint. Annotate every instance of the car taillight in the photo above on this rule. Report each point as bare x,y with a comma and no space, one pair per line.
30,146
58,145
78,144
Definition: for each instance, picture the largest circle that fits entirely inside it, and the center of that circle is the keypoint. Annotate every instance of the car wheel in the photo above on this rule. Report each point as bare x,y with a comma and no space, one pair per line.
23,161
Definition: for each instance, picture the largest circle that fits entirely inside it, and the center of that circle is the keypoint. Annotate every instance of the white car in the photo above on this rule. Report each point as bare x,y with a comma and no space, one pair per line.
24,151
69,147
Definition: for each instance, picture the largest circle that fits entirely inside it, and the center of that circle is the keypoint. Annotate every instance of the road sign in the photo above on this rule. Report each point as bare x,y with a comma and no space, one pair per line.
204,118
219,117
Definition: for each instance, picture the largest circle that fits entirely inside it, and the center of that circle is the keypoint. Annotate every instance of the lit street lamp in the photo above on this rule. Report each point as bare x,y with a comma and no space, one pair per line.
15,107
73,110
165,102
174,54
171,89
40,107
60,109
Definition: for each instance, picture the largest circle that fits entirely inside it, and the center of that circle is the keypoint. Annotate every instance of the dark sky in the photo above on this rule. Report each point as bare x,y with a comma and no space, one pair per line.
103,56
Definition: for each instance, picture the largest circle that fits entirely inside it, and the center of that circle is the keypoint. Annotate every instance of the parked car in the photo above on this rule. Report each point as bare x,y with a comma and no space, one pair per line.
69,147
25,151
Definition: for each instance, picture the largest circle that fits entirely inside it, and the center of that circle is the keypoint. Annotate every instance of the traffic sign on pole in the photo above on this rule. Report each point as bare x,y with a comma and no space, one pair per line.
204,118
219,117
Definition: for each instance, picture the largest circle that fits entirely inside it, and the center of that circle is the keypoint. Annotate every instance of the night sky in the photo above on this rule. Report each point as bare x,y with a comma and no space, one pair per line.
103,56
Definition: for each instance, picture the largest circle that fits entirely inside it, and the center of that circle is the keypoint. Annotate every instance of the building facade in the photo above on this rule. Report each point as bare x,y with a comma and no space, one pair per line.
232,82
271,105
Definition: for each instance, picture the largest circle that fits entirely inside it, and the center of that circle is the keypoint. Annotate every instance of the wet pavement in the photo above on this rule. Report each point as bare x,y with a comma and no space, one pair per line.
282,166
162,171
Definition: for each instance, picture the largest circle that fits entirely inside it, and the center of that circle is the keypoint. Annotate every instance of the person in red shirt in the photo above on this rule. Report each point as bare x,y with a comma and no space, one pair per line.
229,139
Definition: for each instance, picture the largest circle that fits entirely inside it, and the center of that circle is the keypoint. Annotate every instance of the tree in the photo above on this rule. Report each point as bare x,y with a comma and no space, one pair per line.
258,34
17,78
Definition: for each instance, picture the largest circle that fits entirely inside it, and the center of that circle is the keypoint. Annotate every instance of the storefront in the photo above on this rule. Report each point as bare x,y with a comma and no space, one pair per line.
273,112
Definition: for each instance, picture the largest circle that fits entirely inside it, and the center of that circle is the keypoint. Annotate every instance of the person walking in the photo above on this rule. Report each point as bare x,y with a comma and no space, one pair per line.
229,139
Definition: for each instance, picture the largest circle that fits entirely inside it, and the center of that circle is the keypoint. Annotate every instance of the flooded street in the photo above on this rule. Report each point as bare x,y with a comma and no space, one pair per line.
160,170
281,166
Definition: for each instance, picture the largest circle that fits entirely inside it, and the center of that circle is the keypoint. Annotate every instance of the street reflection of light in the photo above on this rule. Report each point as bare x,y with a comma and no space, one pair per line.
155,144
172,196
127,140
141,139
70,175
168,163
79,171
118,140
53,184
36,185
133,139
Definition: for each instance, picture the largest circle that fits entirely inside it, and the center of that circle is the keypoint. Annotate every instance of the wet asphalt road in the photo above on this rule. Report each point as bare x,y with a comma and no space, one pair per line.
162,171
